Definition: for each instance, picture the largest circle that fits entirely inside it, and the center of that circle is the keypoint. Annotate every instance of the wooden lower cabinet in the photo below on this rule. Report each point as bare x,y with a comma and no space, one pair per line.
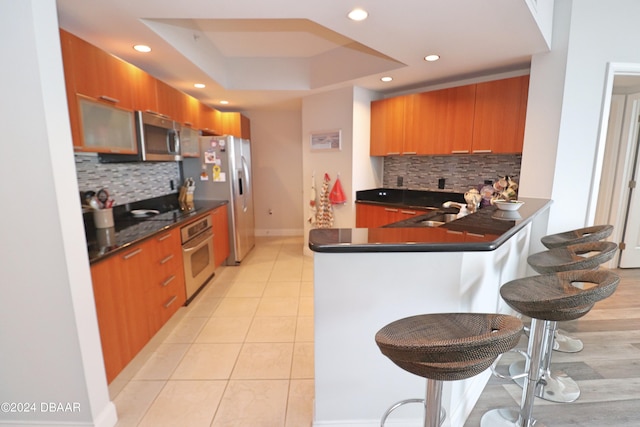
135,293
372,216
220,221
165,287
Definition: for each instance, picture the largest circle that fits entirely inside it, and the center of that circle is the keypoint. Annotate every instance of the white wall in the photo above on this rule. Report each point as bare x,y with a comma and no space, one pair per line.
277,172
341,109
598,33
48,327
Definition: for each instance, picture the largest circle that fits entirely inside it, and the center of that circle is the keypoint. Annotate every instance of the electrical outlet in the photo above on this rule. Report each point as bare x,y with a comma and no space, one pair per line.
399,181
441,182
171,184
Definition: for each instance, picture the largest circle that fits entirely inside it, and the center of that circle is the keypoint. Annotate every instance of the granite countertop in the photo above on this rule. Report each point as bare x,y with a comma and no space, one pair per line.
128,230
484,230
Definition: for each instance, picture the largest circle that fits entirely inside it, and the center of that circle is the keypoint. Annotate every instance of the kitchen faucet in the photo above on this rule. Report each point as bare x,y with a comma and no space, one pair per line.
463,208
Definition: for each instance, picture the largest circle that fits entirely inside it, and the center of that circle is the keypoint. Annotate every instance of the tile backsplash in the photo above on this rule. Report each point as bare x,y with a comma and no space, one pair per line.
460,172
127,182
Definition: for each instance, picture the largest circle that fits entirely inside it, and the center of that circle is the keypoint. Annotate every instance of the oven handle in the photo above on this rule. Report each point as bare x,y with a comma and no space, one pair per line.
197,242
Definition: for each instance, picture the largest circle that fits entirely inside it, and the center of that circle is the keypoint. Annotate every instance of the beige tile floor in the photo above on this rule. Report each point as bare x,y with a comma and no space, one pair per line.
241,354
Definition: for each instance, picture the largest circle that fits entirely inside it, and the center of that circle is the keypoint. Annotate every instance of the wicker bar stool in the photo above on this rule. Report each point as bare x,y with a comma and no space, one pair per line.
547,298
560,387
580,235
564,342
445,347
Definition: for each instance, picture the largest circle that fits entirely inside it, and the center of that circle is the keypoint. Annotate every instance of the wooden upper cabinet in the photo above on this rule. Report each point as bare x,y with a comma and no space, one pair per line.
143,86
210,120
235,124
100,75
387,126
66,44
441,121
191,108
500,114
169,101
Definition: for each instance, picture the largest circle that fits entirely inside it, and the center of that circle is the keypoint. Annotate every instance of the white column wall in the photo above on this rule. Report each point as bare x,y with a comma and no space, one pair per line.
48,328
560,159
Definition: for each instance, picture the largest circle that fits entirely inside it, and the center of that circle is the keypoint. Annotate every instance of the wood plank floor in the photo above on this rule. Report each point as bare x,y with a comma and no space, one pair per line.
607,369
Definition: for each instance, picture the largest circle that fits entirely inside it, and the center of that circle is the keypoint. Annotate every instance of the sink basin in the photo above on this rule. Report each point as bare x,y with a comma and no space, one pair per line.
437,219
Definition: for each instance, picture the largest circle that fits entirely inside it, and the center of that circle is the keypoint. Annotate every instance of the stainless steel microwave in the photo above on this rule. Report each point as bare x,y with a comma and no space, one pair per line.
158,140
158,136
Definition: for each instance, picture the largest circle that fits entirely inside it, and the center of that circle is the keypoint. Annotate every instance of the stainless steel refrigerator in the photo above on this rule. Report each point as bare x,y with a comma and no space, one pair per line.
223,172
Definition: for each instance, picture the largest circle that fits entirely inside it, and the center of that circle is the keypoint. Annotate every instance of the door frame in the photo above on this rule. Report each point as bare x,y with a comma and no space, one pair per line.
619,201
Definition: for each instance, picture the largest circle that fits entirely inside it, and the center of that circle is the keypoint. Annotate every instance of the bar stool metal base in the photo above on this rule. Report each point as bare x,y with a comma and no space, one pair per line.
506,417
433,400
563,342
567,344
554,386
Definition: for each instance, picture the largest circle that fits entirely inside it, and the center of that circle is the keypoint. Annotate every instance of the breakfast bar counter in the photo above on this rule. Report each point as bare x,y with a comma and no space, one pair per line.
367,278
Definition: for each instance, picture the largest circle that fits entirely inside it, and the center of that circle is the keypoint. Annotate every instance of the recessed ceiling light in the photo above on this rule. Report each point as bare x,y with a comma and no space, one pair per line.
431,58
225,102
199,85
142,48
386,79
358,14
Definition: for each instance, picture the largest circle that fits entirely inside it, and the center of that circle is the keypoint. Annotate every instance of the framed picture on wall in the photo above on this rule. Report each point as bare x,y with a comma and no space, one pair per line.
326,141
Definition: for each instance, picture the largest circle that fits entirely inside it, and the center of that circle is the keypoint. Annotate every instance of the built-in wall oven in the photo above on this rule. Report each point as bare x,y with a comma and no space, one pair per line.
197,252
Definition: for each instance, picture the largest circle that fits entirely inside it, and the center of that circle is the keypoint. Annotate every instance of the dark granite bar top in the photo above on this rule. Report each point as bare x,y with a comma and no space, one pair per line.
484,230
129,230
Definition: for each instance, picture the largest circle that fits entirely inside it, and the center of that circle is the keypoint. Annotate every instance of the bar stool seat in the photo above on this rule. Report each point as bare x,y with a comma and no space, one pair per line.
571,257
580,235
547,298
446,347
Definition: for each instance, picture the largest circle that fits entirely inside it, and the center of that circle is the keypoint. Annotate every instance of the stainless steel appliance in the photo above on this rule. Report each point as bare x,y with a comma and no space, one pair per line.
223,172
197,254
158,136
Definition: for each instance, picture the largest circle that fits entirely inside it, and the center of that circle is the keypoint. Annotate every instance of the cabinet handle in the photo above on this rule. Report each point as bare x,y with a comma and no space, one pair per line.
165,237
109,99
164,116
408,212
132,254
391,210
409,152
169,280
454,232
171,301
188,124
460,152
475,235
166,259
393,153
481,151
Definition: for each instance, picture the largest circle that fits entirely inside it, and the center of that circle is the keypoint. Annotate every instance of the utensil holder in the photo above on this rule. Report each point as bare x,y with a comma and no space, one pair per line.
106,237
103,218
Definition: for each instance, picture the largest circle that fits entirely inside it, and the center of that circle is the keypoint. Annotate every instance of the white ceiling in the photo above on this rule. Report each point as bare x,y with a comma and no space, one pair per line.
261,54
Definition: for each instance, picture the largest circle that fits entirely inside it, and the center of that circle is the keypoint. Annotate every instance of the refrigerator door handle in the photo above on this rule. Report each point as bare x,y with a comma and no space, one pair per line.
245,173
245,168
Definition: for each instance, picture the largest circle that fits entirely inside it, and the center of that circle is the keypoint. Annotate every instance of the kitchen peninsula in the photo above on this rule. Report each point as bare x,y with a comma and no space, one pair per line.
365,278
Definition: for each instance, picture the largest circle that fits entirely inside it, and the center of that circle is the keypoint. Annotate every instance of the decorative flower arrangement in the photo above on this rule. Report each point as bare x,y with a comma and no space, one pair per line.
503,189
